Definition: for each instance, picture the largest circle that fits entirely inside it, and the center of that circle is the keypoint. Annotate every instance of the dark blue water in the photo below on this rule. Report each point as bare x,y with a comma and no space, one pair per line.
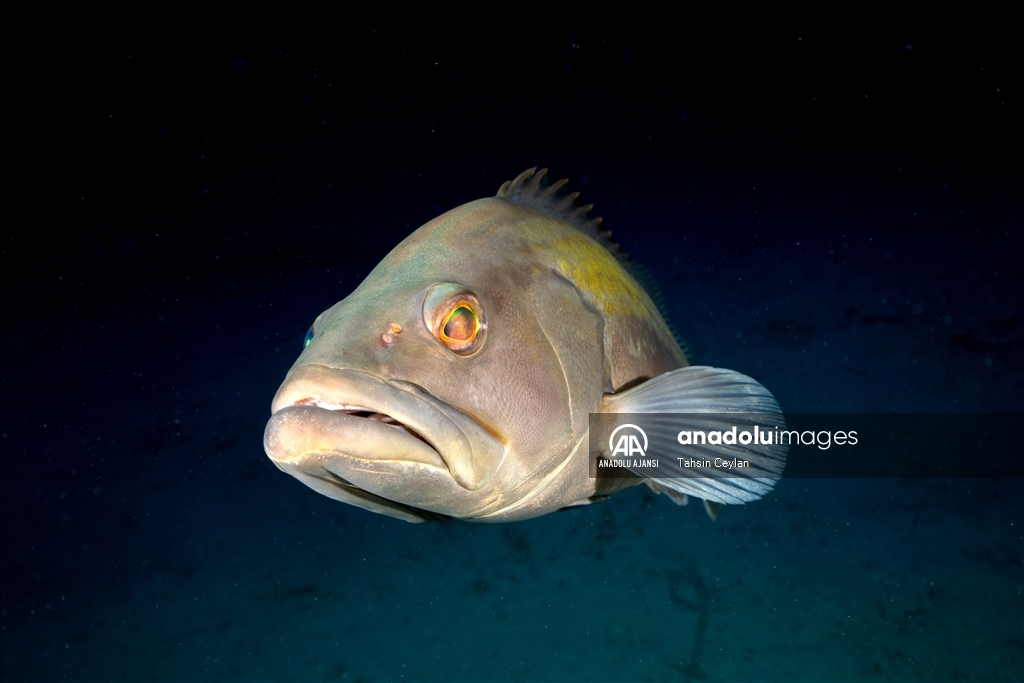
838,217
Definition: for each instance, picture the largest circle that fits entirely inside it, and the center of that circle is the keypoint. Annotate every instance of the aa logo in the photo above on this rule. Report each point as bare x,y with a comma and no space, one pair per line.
628,445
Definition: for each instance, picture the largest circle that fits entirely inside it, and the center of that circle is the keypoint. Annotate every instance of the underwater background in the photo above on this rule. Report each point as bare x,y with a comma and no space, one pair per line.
831,204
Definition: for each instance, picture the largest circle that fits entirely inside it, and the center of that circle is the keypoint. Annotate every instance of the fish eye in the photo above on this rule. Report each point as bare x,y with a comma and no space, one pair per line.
460,327
455,317
311,332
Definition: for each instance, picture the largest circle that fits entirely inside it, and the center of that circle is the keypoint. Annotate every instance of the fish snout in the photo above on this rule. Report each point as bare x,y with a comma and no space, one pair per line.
392,439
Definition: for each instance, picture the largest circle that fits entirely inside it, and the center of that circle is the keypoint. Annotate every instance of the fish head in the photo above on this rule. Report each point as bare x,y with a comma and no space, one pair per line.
453,381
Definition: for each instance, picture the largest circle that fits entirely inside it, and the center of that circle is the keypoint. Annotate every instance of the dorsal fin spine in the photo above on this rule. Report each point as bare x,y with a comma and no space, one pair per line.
529,189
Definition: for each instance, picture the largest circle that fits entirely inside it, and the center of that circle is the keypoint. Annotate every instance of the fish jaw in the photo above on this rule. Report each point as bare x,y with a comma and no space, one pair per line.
391,439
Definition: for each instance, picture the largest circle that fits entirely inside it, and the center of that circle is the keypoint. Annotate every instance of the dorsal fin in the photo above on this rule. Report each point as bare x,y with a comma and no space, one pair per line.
530,189
650,284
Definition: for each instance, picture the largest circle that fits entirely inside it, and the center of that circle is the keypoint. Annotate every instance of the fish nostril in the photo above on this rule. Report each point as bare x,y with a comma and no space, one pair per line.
388,337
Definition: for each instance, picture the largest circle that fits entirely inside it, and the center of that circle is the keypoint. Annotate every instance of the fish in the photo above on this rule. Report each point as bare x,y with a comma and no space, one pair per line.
460,378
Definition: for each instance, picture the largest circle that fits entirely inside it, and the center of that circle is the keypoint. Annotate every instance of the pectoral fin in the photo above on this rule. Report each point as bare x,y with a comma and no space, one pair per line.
706,399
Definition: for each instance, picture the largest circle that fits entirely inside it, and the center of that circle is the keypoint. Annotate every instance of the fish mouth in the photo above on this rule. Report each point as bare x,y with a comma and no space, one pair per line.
367,413
389,438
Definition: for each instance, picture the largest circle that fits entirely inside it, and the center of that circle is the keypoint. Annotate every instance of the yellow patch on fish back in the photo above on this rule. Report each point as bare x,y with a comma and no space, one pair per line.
598,275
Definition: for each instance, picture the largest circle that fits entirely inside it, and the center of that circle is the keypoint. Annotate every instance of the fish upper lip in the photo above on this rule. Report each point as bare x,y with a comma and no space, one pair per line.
471,454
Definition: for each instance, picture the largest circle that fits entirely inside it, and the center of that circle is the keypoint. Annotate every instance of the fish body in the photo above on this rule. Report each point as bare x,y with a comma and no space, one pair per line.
458,380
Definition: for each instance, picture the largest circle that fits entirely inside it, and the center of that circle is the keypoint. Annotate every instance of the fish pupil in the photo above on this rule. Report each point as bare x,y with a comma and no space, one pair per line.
461,324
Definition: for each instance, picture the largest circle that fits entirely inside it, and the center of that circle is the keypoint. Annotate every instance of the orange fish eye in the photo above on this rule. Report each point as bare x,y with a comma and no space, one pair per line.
455,317
460,325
